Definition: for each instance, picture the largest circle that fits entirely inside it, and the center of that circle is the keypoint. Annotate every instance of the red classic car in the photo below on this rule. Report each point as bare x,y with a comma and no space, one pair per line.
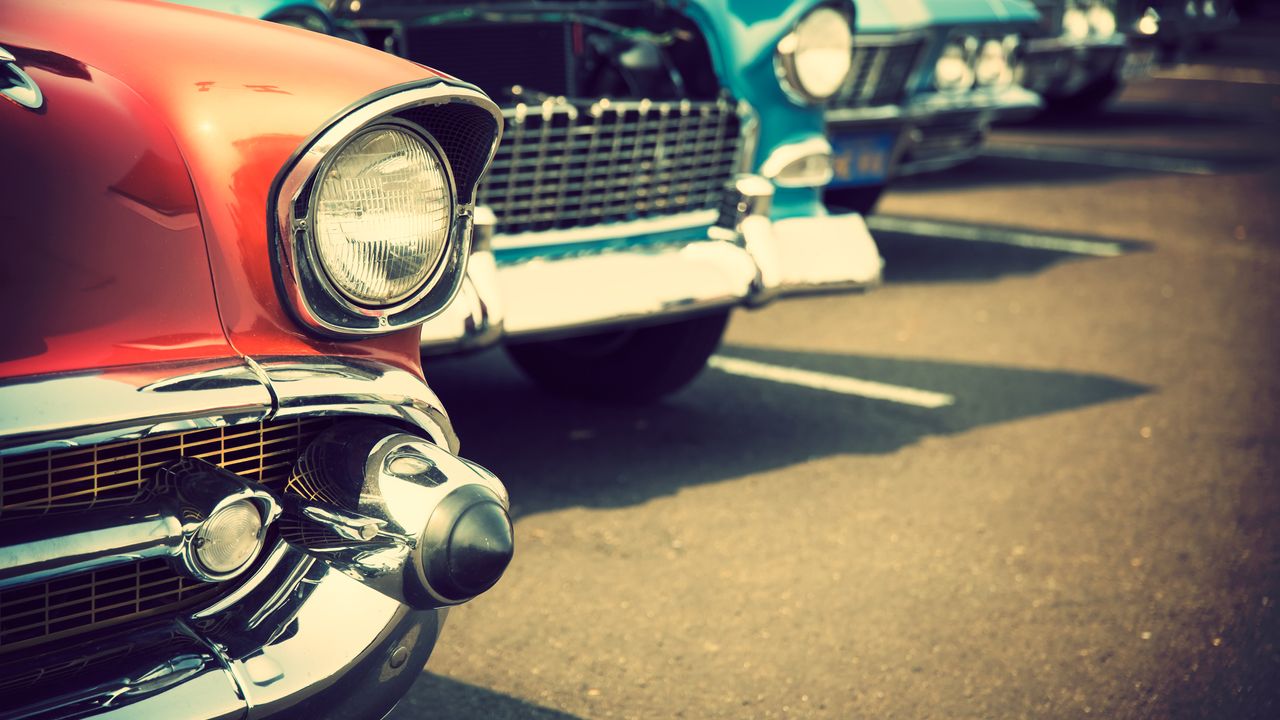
225,488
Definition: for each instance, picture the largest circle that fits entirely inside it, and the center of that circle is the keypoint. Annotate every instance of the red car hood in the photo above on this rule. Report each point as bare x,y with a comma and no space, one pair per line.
135,212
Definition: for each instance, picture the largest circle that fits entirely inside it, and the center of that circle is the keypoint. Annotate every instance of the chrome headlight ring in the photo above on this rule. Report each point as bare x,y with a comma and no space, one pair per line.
826,30
317,297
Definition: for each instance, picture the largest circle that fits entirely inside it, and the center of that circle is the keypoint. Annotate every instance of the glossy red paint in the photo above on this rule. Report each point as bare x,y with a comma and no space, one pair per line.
103,259
235,115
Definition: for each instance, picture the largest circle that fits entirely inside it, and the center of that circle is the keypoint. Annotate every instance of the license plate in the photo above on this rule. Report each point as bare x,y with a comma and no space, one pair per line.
861,159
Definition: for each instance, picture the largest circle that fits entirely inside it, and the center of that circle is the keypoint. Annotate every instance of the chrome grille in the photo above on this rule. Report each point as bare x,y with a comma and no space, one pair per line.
85,478
562,167
881,68
35,613
81,479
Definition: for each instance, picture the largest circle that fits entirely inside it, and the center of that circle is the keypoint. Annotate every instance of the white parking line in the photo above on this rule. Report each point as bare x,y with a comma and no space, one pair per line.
1245,76
830,383
977,233
1103,158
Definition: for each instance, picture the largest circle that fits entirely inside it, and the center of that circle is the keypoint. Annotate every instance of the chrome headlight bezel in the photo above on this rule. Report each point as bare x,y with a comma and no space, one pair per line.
787,66
302,280
435,266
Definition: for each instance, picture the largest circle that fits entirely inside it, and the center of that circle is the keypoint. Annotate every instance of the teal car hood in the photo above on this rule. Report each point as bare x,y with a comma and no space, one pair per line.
888,16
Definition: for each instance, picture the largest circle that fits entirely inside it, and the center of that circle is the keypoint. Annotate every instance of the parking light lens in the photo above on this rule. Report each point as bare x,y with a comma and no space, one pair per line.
229,538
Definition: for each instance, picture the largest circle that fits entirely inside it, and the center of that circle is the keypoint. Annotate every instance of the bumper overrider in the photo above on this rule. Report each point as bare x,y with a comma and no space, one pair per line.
737,256
368,534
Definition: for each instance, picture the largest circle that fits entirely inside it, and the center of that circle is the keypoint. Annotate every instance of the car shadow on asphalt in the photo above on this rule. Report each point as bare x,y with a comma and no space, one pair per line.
924,258
435,696
555,453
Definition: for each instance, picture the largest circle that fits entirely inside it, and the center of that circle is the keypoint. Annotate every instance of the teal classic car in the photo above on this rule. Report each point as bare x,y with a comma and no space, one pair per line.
941,69
662,163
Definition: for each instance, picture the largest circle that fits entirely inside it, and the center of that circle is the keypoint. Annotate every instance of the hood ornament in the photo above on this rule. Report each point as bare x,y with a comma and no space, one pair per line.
16,84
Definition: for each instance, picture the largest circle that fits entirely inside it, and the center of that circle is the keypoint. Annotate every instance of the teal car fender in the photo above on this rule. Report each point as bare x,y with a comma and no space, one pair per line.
743,36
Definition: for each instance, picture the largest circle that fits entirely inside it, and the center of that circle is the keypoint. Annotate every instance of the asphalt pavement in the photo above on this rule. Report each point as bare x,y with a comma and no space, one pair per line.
1033,475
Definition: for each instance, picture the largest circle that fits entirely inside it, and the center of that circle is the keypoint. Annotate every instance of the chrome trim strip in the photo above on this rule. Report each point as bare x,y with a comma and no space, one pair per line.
46,412
606,231
127,402
876,113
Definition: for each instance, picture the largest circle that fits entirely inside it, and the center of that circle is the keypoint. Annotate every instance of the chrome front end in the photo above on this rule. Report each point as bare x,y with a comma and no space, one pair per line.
1059,66
940,129
628,237
371,528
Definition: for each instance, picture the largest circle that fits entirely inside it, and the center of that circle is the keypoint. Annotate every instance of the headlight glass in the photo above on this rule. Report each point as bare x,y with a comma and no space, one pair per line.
382,215
1102,21
1075,23
992,67
953,71
818,53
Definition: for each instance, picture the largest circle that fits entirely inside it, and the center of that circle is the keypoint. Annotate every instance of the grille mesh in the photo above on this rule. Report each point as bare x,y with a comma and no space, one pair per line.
80,479
881,68
113,474
562,167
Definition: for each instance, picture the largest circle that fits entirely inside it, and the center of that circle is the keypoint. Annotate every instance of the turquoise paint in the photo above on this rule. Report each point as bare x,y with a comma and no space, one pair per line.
252,8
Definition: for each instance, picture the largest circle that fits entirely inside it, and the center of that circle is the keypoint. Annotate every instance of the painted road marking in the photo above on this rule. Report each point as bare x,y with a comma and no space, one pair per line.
1102,158
978,233
1244,76
831,383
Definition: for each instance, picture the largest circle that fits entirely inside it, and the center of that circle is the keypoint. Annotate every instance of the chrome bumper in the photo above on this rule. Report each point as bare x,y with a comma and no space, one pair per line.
1056,67
949,130
942,130
302,634
744,259
309,642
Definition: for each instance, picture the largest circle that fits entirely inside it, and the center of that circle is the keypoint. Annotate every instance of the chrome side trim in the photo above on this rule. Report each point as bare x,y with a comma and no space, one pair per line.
121,403
47,412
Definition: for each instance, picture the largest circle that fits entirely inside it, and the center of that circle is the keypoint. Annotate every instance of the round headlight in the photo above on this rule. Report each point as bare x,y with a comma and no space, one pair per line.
952,71
382,209
1102,21
992,67
815,58
1075,23
229,538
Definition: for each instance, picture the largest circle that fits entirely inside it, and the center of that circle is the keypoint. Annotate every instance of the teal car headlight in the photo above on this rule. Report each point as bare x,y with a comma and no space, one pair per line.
995,63
954,71
814,59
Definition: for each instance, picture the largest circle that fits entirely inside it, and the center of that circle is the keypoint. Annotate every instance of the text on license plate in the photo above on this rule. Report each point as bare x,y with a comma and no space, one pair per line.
861,159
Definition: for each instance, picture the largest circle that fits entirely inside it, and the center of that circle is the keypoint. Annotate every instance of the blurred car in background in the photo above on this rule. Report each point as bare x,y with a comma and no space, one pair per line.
942,69
1076,61
1175,28
225,487
663,163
